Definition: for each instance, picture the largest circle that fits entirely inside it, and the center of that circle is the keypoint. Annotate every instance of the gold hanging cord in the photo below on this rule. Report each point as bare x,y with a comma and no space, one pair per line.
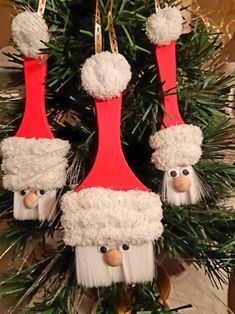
157,5
41,7
98,31
111,29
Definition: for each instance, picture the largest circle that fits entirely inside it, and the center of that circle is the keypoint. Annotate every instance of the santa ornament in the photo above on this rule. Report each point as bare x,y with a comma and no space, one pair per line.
112,219
177,145
34,162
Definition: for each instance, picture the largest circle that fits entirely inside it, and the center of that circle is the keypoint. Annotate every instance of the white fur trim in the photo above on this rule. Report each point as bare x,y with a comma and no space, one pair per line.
105,75
194,195
164,26
29,32
34,163
98,216
178,145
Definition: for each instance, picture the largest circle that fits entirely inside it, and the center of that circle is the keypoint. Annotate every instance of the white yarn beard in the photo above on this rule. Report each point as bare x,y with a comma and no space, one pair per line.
194,195
44,211
137,266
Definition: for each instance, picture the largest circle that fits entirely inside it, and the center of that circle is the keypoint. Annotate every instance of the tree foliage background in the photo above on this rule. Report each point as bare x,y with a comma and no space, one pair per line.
202,233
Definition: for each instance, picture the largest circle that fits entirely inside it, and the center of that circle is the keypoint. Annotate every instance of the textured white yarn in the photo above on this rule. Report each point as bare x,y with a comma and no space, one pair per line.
164,26
98,216
178,145
34,163
105,75
29,32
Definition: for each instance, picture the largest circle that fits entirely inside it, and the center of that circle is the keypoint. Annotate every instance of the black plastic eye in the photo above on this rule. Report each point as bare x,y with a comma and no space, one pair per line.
185,172
173,173
125,247
103,249
22,192
42,192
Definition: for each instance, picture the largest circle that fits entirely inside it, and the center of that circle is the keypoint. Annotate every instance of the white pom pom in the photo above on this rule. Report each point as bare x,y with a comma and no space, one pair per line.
105,75
164,26
29,32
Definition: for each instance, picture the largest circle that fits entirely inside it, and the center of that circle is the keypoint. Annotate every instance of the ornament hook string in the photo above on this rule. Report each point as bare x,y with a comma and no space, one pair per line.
157,5
111,29
98,31
41,7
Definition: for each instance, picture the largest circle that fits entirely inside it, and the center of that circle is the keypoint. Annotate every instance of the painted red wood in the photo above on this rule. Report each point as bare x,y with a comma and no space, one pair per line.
166,64
110,169
34,122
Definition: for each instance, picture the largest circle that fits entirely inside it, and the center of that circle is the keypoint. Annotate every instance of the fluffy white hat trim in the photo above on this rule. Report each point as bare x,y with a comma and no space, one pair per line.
34,163
29,32
99,216
105,75
176,146
164,26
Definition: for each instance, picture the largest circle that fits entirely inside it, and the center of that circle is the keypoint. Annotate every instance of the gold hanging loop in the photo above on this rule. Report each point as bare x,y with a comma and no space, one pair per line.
157,5
98,31
111,29
41,7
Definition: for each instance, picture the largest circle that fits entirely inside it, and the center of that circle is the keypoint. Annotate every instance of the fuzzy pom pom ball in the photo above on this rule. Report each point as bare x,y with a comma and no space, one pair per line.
105,75
29,32
164,26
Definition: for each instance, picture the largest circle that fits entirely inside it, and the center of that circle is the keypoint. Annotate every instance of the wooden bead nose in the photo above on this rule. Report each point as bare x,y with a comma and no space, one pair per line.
182,184
113,258
31,200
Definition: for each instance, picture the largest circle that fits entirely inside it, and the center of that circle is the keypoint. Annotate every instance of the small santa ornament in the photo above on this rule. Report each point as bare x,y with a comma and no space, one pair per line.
34,162
177,145
111,218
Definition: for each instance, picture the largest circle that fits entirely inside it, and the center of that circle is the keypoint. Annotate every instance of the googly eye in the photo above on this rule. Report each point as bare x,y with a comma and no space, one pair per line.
173,173
23,192
125,247
185,172
103,249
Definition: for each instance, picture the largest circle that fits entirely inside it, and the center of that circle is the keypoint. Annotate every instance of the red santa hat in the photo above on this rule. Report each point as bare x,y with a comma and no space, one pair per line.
111,206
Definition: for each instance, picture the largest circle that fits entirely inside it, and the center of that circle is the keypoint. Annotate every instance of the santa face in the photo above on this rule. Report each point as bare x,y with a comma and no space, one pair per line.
34,205
181,186
102,266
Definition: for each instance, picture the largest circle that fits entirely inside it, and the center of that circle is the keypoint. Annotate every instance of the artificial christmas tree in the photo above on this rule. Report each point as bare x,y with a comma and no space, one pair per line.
202,233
